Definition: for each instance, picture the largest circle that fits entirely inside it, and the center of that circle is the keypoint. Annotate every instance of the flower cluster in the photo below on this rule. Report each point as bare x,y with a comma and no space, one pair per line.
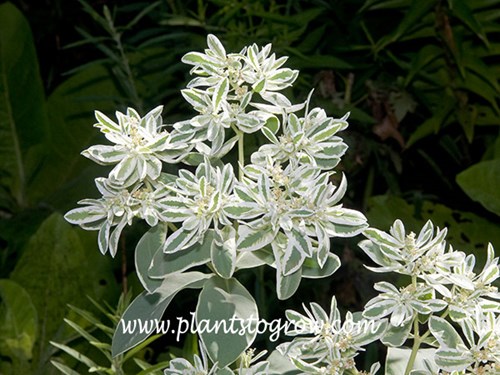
225,86
331,346
282,210
248,365
198,203
136,185
445,281
296,210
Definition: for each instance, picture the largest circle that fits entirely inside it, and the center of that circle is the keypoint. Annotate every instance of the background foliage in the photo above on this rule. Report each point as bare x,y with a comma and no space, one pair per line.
419,77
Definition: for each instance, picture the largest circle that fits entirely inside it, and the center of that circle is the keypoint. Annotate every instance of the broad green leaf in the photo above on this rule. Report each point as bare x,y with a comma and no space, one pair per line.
151,243
223,252
226,304
18,321
22,104
147,309
72,269
312,270
164,264
480,182
144,312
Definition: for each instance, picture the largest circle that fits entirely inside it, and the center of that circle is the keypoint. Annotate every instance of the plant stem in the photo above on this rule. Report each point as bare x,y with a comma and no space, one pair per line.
417,340
241,154
116,35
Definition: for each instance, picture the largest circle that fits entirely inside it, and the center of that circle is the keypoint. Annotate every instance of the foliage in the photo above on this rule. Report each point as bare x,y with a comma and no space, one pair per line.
281,211
118,364
420,80
43,257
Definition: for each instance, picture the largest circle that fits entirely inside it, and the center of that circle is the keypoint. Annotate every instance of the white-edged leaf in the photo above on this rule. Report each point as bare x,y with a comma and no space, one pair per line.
250,239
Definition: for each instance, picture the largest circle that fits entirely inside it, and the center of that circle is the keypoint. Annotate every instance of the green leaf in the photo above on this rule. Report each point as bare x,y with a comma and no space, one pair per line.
434,123
225,302
65,175
22,104
480,182
424,57
286,286
302,61
18,321
148,246
250,239
145,308
312,270
445,333
63,368
414,14
165,264
462,11
281,365
149,308
75,354
223,252
72,269
397,336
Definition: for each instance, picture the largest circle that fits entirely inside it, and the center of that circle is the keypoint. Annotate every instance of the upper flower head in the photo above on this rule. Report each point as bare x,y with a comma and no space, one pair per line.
140,146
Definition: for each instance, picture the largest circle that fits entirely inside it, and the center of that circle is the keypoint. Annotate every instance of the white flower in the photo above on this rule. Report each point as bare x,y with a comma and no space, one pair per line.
198,203
331,345
309,140
409,254
402,305
140,146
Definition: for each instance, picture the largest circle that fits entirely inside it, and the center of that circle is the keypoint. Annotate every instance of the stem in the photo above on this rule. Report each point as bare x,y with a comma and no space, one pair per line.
417,340
172,226
134,96
241,154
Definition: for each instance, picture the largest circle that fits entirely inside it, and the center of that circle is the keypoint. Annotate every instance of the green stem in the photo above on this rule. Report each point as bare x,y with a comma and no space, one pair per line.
172,226
241,154
116,35
417,340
